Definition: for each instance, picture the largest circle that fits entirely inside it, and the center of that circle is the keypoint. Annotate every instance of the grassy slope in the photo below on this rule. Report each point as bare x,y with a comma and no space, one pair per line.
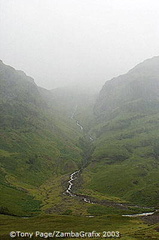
35,145
126,155
125,159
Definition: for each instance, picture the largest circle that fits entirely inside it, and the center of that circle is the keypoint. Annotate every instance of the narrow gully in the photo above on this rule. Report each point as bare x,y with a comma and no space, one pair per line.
73,176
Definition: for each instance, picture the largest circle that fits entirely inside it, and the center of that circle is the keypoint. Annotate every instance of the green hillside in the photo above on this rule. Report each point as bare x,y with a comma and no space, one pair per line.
125,163
35,144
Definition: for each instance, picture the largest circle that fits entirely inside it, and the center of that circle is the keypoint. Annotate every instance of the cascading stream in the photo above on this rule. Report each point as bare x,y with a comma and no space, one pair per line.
73,175
72,178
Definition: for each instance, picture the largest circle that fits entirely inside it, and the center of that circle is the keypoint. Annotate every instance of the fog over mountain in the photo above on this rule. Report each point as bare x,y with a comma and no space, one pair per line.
140,85
68,42
79,125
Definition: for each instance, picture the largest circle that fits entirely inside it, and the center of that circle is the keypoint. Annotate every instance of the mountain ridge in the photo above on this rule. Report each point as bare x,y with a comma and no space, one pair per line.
132,86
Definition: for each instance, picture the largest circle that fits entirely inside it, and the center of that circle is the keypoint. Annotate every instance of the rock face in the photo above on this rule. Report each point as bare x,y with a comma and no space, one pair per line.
138,87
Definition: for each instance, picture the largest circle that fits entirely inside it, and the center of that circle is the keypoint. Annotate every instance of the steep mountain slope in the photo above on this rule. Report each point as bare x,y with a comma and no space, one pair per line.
126,157
35,144
134,90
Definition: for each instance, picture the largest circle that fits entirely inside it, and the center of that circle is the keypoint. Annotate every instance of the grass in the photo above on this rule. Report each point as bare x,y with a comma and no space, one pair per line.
125,159
17,202
129,228
27,161
124,180
99,210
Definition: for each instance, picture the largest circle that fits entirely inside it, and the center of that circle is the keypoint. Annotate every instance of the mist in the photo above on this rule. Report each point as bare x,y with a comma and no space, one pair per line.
77,42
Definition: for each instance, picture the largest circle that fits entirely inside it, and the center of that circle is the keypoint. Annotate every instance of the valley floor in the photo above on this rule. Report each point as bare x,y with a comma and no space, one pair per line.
77,216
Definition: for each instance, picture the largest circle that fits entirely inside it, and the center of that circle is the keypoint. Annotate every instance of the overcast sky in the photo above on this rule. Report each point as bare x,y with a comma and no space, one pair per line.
62,42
